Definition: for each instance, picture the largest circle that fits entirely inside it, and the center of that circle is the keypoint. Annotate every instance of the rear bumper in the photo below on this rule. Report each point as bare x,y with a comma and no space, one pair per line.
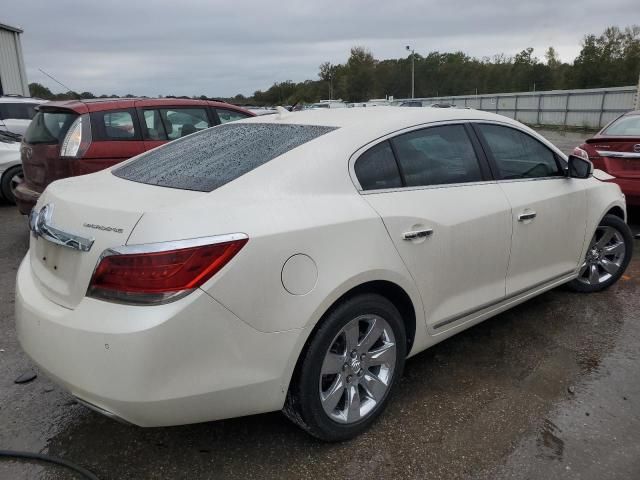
184,362
26,198
631,189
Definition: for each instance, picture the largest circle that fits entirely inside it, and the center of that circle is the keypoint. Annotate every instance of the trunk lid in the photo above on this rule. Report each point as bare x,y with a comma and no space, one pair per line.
99,206
620,155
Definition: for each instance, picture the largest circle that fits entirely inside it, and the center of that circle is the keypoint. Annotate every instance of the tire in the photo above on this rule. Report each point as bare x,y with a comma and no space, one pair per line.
363,384
7,185
607,257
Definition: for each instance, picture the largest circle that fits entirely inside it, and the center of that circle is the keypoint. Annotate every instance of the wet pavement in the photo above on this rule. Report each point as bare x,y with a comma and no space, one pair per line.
546,390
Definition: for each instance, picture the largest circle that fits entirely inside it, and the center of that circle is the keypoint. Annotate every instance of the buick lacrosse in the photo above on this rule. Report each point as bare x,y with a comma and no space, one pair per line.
293,262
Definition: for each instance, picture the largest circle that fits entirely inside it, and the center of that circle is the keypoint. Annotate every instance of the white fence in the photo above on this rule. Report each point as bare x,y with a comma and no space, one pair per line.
588,108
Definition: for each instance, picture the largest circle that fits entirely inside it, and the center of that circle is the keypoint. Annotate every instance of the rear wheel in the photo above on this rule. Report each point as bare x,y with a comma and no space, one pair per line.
349,370
10,180
607,257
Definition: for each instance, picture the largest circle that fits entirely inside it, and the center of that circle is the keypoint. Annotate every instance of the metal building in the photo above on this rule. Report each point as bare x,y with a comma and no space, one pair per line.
13,78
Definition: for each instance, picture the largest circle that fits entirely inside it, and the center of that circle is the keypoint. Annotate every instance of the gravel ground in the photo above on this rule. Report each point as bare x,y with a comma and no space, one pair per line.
547,390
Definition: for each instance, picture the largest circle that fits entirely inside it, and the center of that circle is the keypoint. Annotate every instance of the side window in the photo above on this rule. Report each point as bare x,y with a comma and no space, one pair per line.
377,168
229,115
114,125
179,122
517,154
153,124
437,156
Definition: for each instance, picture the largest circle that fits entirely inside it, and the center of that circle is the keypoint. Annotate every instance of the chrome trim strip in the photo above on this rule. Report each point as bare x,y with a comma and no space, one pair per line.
41,225
426,187
607,153
468,313
174,244
460,121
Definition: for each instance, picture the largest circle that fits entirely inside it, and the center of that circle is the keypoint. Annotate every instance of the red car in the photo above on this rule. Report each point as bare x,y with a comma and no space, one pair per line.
77,137
616,150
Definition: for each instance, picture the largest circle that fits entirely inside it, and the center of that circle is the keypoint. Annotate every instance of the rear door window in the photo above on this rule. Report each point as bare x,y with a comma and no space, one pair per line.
437,156
49,127
154,129
216,156
226,116
180,122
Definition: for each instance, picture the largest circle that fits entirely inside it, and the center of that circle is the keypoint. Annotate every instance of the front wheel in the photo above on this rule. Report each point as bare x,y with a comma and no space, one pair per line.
351,366
607,257
9,182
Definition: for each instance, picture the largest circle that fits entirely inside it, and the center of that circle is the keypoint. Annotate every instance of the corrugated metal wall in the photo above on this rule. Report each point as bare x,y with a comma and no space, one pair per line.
12,72
589,108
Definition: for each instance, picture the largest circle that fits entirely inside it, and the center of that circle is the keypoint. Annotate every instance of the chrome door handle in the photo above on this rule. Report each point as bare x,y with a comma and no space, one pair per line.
527,216
415,234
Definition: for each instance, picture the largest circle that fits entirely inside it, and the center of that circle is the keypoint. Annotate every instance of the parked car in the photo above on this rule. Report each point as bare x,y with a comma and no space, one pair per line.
295,261
10,167
83,136
16,112
616,150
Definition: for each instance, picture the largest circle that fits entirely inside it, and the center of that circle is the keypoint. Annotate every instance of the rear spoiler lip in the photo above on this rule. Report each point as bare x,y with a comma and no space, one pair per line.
605,139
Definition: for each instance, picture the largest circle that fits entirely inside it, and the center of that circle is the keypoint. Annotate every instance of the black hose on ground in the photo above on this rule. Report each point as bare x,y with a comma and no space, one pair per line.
46,458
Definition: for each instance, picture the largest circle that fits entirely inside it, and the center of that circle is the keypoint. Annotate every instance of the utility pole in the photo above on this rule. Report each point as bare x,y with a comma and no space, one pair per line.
637,105
413,71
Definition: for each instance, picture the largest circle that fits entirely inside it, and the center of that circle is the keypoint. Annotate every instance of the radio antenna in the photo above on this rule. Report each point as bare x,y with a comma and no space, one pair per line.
57,81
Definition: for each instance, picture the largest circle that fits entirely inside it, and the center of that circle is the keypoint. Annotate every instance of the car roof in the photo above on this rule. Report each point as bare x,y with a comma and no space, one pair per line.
359,123
20,99
101,104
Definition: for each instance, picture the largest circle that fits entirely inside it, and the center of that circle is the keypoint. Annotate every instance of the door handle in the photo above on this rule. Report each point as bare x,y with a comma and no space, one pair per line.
415,234
527,216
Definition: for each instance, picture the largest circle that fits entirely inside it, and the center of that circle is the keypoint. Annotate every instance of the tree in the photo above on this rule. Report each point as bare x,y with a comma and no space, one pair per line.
40,91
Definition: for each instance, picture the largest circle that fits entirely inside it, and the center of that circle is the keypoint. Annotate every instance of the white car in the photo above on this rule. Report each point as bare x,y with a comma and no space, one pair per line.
16,112
295,261
10,165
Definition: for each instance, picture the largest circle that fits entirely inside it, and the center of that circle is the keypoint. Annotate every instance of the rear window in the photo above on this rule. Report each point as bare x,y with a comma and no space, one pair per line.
49,127
216,156
17,111
625,126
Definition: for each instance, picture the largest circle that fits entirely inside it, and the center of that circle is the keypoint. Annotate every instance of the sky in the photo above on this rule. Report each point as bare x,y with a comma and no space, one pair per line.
221,48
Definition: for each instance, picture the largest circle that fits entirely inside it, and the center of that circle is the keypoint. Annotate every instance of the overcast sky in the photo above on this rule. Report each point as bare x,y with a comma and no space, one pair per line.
221,48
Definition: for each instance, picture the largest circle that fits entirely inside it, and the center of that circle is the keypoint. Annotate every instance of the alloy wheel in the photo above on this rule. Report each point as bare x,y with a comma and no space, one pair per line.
358,369
16,180
604,258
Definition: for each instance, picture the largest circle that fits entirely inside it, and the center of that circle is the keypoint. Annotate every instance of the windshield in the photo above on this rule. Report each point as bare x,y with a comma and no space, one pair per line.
624,126
216,156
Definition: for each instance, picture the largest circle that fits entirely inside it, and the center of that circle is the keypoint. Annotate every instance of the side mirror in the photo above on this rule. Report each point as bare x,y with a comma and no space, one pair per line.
579,167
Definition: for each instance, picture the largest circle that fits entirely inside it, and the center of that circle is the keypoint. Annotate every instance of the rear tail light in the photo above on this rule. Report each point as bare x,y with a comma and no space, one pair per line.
580,152
78,138
163,272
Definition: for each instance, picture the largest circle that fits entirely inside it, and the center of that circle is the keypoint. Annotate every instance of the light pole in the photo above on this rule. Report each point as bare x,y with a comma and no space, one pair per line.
413,71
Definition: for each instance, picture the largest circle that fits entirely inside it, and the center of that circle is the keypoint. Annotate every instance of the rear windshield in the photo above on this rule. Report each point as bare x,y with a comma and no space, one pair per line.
625,126
49,127
17,111
216,156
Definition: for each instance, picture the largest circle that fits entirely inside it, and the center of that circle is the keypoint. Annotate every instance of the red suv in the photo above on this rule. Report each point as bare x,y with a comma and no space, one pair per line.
83,136
616,150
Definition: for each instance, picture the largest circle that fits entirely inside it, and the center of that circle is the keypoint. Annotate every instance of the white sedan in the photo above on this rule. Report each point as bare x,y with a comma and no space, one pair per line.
293,262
